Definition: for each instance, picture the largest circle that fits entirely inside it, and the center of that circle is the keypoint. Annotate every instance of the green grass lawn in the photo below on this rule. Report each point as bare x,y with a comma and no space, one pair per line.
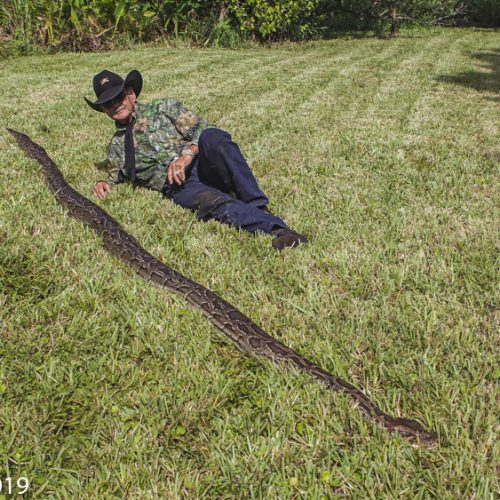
385,153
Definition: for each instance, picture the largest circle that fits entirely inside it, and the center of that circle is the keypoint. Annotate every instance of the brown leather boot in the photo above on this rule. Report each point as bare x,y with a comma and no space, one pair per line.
285,237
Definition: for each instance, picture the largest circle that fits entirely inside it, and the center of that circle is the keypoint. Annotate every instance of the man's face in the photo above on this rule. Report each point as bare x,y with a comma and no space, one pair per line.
121,107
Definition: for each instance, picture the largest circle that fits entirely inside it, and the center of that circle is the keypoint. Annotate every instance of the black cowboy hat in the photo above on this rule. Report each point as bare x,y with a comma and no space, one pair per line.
108,85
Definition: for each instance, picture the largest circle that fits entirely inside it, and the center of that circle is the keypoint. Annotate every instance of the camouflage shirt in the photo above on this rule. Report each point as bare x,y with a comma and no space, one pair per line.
162,129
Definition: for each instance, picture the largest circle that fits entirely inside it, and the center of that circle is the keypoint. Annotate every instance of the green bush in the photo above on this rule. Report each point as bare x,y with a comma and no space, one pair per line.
275,19
101,24
95,24
370,14
484,12
212,30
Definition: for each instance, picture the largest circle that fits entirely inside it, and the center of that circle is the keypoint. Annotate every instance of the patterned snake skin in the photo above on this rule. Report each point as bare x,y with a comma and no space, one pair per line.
241,330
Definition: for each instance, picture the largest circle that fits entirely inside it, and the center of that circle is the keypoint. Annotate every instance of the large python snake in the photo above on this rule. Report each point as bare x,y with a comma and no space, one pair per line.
250,338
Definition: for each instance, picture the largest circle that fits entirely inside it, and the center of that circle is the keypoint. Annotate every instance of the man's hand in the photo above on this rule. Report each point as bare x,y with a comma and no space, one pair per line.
101,189
177,169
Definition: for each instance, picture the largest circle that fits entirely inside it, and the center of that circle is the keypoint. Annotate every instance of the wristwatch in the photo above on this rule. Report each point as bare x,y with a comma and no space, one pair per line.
187,152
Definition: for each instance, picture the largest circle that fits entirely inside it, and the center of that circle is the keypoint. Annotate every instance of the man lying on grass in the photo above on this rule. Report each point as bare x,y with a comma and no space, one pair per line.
164,146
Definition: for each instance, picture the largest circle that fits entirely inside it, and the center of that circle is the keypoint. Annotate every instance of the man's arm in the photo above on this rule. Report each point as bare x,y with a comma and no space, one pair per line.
177,168
115,175
188,123
103,187
190,126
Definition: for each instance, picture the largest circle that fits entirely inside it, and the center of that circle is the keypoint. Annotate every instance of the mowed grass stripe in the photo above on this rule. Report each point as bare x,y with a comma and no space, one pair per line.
350,134
378,112
260,80
237,95
300,83
317,113
312,103
287,140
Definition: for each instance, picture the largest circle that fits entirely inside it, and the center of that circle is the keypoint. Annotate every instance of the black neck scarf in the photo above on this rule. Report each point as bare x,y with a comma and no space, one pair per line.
130,152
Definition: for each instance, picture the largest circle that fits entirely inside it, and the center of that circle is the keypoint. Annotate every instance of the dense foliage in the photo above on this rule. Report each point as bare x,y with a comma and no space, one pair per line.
96,24
368,13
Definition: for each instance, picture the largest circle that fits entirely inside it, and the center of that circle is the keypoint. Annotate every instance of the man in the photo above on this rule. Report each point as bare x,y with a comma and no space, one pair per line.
164,146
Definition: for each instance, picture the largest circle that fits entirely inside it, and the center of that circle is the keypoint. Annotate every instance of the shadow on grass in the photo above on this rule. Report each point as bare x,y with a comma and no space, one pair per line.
380,33
480,80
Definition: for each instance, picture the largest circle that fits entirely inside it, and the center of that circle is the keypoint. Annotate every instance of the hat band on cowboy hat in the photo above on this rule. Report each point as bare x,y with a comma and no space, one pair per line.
108,85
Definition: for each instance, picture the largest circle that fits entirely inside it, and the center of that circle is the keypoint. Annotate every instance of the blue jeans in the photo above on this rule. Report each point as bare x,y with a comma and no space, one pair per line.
218,170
